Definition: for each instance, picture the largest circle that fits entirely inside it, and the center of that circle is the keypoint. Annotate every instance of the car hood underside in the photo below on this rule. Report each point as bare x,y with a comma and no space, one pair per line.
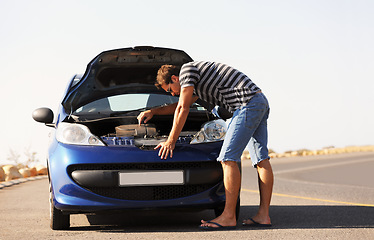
127,70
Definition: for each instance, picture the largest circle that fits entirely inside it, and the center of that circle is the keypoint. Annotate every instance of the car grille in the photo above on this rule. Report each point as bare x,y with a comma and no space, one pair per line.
146,193
151,193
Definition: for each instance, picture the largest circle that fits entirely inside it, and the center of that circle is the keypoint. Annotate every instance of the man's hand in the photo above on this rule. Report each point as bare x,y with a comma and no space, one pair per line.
146,116
165,148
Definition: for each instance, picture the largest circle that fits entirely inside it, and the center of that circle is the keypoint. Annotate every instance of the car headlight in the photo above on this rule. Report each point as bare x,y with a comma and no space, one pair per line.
210,132
78,134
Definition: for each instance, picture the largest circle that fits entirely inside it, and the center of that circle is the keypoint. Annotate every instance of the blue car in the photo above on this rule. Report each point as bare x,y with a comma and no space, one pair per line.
100,159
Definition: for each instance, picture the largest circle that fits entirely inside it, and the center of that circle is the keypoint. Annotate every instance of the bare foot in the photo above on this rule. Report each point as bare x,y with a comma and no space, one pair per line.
220,220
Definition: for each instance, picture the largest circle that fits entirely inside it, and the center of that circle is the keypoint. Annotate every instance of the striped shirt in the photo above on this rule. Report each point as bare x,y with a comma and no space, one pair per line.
218,84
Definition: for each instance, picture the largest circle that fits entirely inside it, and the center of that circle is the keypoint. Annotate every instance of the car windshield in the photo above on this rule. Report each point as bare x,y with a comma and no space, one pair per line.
129,102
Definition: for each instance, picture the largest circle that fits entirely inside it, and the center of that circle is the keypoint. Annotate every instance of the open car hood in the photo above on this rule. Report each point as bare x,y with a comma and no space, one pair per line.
127,70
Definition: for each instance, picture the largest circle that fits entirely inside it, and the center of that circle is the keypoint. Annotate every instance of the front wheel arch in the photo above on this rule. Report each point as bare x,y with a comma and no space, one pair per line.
58,219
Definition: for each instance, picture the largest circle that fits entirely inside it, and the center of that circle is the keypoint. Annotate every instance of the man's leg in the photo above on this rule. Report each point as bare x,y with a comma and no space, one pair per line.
257,147
232,181
265,182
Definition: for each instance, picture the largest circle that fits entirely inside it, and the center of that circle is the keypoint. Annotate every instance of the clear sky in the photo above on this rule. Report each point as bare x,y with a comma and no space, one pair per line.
313,59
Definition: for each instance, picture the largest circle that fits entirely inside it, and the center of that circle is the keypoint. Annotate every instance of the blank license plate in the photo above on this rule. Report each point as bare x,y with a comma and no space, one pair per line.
146,178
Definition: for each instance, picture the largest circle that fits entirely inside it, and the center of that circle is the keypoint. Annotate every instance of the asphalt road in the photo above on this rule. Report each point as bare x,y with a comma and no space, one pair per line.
330,197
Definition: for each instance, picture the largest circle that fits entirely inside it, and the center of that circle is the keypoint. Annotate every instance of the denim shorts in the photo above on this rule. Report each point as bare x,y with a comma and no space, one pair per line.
247,129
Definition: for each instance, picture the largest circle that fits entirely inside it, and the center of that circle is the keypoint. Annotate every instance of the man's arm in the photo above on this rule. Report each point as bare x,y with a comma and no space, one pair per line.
181,112
164,110
180,115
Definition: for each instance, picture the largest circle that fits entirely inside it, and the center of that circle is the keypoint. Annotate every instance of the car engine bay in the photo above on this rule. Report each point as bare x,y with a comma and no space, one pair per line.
125,130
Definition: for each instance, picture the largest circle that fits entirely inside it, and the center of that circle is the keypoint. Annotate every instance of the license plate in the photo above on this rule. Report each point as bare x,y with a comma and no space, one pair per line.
147,178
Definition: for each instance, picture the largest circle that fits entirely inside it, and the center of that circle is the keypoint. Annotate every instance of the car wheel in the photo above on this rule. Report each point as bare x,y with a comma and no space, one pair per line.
219,210
58,220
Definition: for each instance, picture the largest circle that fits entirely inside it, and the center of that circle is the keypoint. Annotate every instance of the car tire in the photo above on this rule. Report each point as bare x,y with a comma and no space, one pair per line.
219,210
58,220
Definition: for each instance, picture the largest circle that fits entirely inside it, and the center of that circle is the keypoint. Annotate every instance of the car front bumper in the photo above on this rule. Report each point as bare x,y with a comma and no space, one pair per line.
85,178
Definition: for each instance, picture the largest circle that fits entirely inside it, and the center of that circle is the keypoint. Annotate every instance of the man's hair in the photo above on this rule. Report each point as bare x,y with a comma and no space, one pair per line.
164,74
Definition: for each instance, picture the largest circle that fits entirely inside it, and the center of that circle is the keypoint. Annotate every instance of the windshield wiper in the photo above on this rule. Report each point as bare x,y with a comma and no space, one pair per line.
115,114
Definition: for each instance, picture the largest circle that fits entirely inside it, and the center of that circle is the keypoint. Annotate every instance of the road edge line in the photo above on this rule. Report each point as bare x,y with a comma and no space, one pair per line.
314,199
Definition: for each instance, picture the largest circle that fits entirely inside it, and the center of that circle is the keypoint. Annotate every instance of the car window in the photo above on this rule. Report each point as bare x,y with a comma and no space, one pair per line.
129,102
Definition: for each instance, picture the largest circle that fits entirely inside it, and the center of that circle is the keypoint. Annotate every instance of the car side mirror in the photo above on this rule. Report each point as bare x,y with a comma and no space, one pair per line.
44,115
